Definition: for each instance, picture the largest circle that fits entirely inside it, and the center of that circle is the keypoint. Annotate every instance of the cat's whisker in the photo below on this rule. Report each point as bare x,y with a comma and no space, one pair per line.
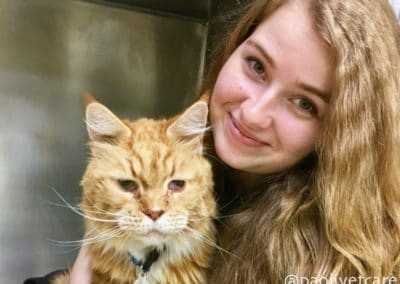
221,208
74,244
82,213
68,205
197,219
88,217
219,219
101,213
201,237
99,237
211,243
125,240
93,204
198,216
107,235
115,234
223,218
223,252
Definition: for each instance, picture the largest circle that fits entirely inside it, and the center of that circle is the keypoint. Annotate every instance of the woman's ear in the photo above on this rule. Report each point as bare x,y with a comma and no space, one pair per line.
191,125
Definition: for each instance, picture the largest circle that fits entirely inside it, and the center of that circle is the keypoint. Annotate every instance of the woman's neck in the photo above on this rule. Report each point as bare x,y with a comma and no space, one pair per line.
245,182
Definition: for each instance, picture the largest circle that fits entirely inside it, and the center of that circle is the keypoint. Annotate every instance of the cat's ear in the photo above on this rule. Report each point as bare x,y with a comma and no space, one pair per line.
102,125
191,125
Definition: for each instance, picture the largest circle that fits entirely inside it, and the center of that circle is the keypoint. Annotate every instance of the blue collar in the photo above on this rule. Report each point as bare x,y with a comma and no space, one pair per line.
148,261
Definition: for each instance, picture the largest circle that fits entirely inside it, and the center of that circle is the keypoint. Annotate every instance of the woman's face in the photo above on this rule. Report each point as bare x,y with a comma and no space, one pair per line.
272,93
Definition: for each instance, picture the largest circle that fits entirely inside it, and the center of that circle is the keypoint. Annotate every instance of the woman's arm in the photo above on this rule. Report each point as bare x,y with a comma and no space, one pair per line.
81,272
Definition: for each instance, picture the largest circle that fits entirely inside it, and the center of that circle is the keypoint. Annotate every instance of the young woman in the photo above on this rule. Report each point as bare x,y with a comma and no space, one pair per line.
307,94
305,104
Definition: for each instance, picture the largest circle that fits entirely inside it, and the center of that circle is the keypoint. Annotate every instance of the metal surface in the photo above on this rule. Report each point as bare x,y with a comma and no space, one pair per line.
188,8
50,51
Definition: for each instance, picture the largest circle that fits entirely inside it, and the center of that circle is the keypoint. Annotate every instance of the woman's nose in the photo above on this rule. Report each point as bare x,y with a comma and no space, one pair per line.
258,112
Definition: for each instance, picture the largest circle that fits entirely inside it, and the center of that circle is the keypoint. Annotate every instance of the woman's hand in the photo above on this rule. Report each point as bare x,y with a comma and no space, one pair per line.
81,272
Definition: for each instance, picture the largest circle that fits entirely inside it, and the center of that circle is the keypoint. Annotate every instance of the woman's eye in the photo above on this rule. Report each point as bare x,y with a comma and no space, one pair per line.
128,185
256,66
176,185
305,105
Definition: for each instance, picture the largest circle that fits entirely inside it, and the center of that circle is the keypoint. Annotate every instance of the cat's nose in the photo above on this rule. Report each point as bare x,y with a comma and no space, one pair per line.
153,214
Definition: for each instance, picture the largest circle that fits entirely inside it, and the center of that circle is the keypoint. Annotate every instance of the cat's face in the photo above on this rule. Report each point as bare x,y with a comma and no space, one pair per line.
147,180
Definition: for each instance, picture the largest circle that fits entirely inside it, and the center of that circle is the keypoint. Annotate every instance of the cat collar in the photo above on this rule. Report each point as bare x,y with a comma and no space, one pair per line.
148,261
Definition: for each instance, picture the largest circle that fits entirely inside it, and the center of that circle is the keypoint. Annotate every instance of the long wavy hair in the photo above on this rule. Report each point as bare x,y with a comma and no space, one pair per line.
337,214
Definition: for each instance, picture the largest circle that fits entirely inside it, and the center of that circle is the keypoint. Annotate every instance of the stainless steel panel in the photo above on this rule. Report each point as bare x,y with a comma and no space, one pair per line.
50,51
188,8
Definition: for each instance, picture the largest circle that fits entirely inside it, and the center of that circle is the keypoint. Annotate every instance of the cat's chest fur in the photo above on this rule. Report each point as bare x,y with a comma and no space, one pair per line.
170,267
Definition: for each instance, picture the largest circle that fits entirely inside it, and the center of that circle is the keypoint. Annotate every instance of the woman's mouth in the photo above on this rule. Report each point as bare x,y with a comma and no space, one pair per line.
242,136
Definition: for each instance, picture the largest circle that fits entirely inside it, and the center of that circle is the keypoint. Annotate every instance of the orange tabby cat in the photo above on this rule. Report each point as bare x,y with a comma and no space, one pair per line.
148,199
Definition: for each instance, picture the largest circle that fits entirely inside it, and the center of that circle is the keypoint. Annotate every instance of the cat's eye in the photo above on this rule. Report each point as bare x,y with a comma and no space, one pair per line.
176,185
128,185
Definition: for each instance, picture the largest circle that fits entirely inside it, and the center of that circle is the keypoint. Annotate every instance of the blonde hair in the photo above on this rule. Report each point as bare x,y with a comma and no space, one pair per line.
337,215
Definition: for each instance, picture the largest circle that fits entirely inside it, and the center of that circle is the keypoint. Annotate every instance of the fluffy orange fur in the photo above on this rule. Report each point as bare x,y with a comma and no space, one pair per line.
148,185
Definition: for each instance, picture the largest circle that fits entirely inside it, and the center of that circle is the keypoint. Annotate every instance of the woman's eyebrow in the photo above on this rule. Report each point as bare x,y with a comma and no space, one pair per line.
262,51
308,88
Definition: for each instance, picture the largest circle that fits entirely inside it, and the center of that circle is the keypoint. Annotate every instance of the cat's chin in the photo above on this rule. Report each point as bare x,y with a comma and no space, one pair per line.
152,236
156,233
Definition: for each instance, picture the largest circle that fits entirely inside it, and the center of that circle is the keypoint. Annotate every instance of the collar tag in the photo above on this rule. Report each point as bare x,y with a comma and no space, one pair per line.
142,279
144,265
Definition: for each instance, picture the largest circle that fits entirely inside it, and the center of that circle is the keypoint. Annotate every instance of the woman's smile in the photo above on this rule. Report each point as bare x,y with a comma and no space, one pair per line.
266,106
239,134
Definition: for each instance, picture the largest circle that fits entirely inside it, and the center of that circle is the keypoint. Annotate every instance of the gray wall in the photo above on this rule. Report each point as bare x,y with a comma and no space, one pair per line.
135,61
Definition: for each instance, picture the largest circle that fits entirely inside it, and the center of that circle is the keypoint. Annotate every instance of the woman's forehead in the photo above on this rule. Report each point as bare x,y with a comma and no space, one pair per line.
289,42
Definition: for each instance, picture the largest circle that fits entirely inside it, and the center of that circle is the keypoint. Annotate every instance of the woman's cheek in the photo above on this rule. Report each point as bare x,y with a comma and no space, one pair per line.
296,136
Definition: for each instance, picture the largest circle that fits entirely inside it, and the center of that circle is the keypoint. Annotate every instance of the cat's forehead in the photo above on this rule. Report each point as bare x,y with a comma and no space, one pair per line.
151,150
148,130
149,139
